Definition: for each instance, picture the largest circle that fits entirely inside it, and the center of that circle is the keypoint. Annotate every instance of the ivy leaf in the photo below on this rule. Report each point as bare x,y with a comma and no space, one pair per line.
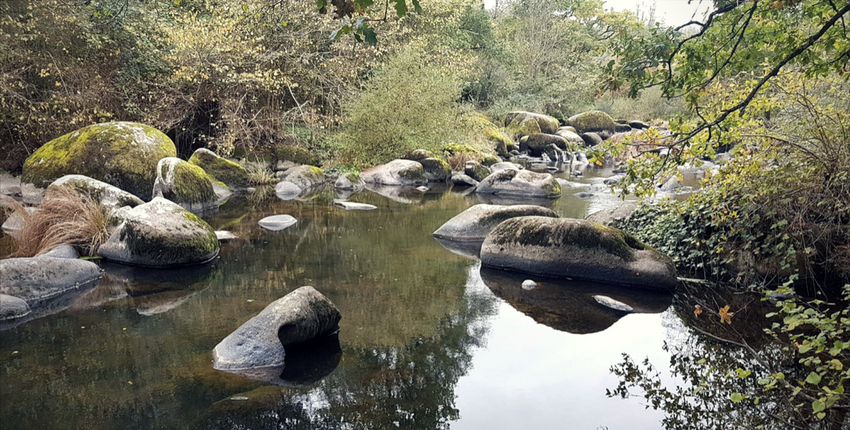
818,406
370,36
737,397
813,378
400,8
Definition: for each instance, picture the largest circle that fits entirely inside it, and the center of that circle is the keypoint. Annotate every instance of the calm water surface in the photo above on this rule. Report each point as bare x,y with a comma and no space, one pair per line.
428,339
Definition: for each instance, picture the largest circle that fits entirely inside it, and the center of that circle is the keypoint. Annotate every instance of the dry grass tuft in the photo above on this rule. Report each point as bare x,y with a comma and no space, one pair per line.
261,176
67,216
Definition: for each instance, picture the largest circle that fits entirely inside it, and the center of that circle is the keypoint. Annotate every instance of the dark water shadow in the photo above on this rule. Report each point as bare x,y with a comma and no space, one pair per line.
464,249
569,305
305,364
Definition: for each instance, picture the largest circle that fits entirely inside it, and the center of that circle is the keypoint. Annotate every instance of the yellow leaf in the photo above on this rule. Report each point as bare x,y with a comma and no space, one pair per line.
725,315
697,310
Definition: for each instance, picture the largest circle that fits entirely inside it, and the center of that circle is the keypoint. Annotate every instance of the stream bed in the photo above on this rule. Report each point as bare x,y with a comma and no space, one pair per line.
427,340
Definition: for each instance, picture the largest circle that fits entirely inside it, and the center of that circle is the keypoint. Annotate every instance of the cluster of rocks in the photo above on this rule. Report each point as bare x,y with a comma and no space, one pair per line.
534,240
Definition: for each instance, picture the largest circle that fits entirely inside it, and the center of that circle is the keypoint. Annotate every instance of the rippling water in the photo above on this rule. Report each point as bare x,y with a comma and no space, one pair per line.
427,339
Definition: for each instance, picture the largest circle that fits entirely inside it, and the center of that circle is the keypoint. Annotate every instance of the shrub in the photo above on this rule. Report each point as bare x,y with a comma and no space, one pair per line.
409,104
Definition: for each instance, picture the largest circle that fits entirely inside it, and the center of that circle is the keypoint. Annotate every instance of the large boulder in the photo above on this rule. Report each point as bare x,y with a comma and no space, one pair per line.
396,172
475,223
436,169
570,135
305,177
537,143
349,182
578,249
545,123
301,315
123,154
185,184
108,195
222,169
476,170
160,233
593,121
520,183
40,279
613,216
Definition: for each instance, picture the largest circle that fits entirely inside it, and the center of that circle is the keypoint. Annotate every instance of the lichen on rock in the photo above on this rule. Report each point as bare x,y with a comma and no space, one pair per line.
222,169
122,154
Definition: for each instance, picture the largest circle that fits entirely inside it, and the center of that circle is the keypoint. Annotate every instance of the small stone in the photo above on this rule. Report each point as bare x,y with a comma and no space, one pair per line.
277,222
354,206
528,284
422,189
613,304
223,235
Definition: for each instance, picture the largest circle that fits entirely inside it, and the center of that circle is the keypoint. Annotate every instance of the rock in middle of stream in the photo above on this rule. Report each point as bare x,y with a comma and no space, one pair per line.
301,315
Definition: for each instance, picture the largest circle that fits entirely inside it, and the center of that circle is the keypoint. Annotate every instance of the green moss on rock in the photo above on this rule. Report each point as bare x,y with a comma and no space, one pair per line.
123,154
592,121
222,169
563,232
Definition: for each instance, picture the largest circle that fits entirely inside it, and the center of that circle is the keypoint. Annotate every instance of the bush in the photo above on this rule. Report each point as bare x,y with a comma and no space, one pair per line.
409,104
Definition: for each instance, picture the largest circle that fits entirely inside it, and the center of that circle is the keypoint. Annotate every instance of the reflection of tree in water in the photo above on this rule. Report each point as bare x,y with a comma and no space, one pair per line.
383,387
720,372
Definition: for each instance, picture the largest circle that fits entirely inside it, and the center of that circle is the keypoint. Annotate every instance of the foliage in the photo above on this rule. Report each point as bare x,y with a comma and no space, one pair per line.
67,216
754,37
780,206
795,381
409,104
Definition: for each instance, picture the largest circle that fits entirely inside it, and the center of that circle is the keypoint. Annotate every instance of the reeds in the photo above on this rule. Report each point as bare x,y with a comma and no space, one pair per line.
67,216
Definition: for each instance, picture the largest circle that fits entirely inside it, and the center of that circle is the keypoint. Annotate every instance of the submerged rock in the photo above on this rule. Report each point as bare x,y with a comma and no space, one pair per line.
185,184
301,315
222,169
580,249
277,222
613,304
160,234
123,154
286,190
108,195
475,223
396,172
520,183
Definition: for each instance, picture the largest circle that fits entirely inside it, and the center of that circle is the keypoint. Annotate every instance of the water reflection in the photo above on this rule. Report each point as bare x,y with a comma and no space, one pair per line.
570,306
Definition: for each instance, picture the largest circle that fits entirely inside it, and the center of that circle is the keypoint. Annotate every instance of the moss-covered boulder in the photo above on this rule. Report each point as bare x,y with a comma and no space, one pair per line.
476,170
570,135
222,169
545,123
397,173
576,249
536,143
475,223
107,195
185,184
349,182
520,183
593,121
123,154
305,176
436,169
160,233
